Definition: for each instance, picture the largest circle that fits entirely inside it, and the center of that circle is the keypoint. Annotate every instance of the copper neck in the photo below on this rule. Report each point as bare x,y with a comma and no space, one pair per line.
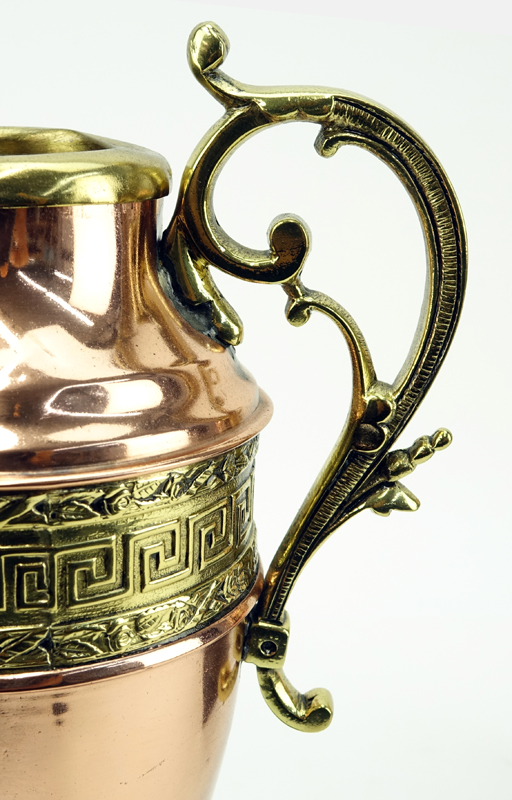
100,376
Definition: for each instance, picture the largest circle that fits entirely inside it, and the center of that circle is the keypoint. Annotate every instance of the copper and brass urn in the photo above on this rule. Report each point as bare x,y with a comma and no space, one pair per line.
130,586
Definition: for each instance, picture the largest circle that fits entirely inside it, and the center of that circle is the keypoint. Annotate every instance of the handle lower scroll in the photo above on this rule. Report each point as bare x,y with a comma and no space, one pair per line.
360,472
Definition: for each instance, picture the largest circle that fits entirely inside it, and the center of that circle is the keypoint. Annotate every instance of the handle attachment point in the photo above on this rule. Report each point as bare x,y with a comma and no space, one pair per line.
267,642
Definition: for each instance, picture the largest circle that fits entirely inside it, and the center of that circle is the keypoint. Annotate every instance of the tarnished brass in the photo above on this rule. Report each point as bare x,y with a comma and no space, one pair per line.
95,572
361,472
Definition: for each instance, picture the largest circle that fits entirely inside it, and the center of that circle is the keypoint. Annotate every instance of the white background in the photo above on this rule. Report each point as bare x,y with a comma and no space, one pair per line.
407,620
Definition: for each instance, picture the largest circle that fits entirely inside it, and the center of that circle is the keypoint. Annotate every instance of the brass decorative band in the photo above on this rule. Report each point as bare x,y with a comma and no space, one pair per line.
95,572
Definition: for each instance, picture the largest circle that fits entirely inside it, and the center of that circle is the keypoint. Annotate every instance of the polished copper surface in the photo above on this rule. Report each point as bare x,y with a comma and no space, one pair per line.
153,725
100,376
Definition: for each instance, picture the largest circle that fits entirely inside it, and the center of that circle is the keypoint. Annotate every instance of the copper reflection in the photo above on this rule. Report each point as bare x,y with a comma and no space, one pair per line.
100,376
153,725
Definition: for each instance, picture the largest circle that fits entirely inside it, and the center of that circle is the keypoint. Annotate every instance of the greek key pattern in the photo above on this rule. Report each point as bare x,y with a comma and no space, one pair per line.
133,562
68,645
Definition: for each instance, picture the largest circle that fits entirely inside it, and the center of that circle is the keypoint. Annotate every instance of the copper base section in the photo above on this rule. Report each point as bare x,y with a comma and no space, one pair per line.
153,725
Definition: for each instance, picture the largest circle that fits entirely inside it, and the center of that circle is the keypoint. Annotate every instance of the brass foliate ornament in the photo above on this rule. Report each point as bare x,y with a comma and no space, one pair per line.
130,587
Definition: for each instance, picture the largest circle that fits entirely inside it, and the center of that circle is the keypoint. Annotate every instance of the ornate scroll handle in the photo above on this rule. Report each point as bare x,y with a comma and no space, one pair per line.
360,472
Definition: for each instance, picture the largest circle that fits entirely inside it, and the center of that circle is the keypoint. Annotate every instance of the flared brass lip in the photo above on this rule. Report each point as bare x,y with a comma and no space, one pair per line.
117,667
58,167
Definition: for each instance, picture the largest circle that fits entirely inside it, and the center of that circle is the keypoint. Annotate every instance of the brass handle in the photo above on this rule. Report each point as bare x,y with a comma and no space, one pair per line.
361,472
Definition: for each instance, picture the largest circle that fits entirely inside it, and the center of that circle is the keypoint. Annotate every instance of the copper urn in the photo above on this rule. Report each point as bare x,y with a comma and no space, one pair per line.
130,585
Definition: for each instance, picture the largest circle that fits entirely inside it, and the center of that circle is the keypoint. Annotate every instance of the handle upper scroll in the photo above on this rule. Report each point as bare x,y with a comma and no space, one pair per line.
361,471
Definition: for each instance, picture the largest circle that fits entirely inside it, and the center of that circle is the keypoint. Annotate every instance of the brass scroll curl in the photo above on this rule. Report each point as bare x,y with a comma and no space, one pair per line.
361,472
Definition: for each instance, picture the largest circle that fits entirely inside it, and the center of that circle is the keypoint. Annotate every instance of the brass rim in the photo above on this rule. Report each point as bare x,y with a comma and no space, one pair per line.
53,167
